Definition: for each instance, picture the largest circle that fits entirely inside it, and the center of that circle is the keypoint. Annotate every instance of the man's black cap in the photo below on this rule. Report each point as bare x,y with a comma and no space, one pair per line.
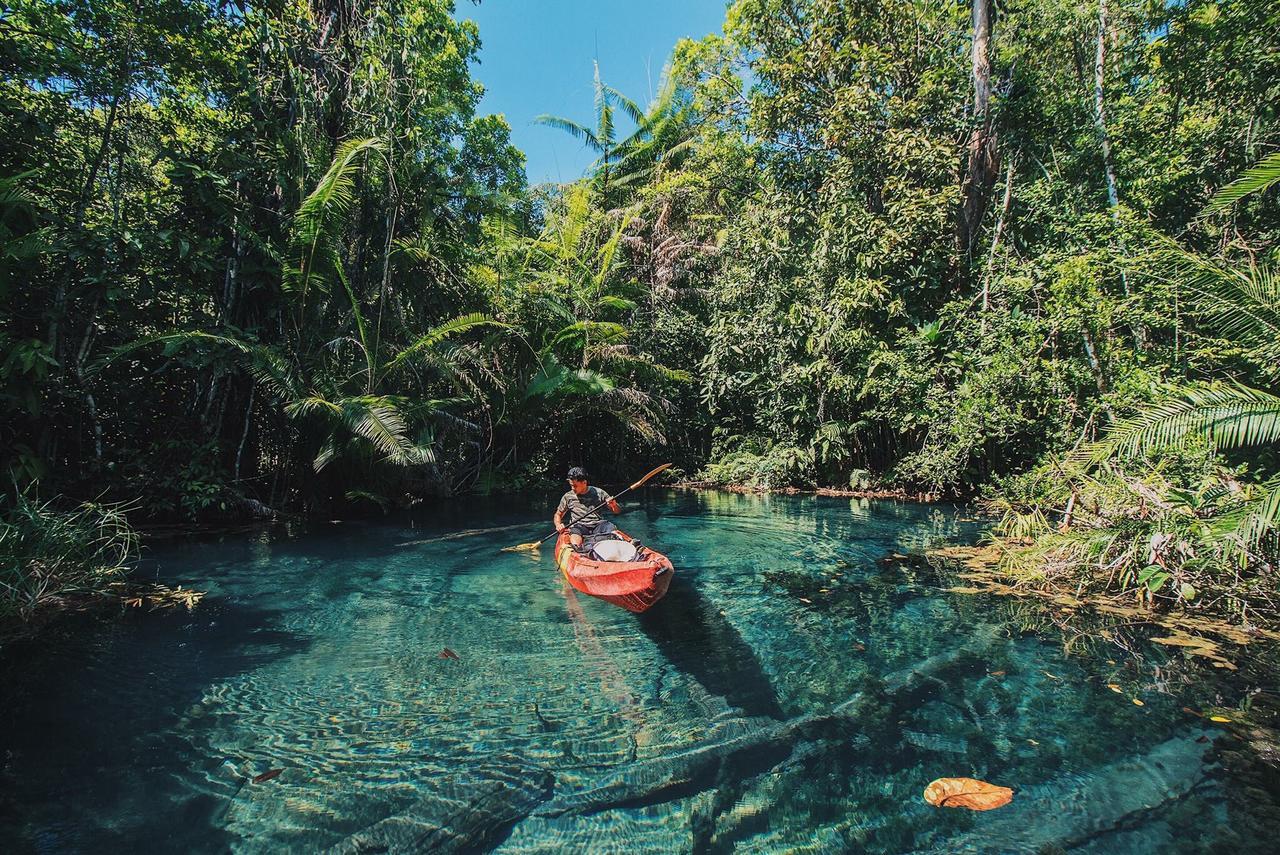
577,473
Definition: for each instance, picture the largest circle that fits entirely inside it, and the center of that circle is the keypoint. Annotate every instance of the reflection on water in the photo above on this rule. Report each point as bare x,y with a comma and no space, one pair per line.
793,692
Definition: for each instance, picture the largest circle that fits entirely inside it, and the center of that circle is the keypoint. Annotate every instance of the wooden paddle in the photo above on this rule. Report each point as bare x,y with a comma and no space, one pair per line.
530,547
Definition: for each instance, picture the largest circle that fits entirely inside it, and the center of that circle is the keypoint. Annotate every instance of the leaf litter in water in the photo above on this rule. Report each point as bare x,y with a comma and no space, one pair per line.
967,793
448,654
267,776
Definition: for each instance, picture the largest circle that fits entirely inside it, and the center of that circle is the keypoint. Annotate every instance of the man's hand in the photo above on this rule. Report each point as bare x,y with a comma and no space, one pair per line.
613,506
560,529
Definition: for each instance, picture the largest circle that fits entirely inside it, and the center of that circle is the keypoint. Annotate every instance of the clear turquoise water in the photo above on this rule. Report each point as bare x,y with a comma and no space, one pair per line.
566,724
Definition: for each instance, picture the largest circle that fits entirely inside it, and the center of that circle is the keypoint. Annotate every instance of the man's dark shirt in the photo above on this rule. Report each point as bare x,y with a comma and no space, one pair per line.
573,508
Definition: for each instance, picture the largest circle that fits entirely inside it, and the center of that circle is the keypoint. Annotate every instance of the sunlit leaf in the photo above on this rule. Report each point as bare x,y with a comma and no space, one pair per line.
967,793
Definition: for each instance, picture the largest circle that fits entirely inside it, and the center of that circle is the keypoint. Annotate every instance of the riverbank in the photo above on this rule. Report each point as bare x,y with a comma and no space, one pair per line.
982,569
898,494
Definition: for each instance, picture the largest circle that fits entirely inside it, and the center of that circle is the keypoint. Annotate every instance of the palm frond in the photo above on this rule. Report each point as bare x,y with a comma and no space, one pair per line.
1241,304
1255,519
631,108
1257,178
325,206
602,332
1231,416
569,126
264,365
379,421
312,404
439,333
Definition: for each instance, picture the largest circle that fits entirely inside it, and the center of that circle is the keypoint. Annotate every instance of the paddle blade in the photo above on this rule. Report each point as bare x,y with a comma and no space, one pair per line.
523,547
661,468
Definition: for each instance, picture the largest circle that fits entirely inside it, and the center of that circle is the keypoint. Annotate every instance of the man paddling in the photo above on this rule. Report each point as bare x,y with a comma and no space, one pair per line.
576,513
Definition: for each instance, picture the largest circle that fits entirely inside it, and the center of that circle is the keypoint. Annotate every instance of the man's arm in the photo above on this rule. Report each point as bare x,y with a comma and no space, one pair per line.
613,503
555,518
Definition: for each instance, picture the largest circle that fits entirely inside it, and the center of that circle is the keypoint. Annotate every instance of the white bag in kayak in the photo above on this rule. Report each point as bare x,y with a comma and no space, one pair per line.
613,550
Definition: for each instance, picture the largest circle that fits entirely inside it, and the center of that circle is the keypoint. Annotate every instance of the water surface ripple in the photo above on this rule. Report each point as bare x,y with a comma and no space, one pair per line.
793,692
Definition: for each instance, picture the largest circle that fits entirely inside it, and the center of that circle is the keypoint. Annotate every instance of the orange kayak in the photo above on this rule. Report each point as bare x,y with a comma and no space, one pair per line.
634,585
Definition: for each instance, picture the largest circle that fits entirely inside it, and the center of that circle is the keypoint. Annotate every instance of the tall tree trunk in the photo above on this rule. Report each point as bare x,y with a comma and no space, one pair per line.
1104,142
1099,109
982,144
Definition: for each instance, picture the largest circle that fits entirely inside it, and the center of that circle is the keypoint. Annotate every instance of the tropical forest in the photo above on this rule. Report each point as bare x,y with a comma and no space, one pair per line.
952,326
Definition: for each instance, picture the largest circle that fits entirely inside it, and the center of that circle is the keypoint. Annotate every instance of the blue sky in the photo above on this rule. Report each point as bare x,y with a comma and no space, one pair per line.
535,57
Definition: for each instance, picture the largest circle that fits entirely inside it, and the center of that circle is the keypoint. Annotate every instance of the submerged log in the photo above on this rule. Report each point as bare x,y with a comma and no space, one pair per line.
478,808
746,747
470,811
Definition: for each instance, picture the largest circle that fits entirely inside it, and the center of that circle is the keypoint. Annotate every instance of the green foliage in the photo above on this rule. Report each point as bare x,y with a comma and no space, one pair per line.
761,465
325,274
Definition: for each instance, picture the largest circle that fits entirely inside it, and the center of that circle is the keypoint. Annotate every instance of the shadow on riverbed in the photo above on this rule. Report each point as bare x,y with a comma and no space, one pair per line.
89,706
696,638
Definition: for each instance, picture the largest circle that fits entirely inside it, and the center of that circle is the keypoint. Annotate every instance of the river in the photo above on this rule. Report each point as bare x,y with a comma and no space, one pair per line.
402,685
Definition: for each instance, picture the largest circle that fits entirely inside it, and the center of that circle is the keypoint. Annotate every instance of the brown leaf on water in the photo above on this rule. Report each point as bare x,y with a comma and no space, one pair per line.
448,654
1202,739
967,793
860,647
1138,703
996,674
267,776
1115,688
806,601
1221,719
1190,711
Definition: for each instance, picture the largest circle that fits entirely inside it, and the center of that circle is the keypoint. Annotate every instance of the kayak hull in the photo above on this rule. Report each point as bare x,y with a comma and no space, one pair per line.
633,585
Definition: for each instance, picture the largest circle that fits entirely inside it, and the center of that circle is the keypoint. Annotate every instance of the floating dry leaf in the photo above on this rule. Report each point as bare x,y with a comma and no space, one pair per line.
805,600
267,775
1115,688
1138,703
1219,718
1051,676
1033,742
997,674
967,793
448,654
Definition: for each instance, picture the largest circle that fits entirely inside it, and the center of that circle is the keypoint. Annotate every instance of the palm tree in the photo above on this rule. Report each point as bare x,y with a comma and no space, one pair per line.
1241,303
579,335
662,133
